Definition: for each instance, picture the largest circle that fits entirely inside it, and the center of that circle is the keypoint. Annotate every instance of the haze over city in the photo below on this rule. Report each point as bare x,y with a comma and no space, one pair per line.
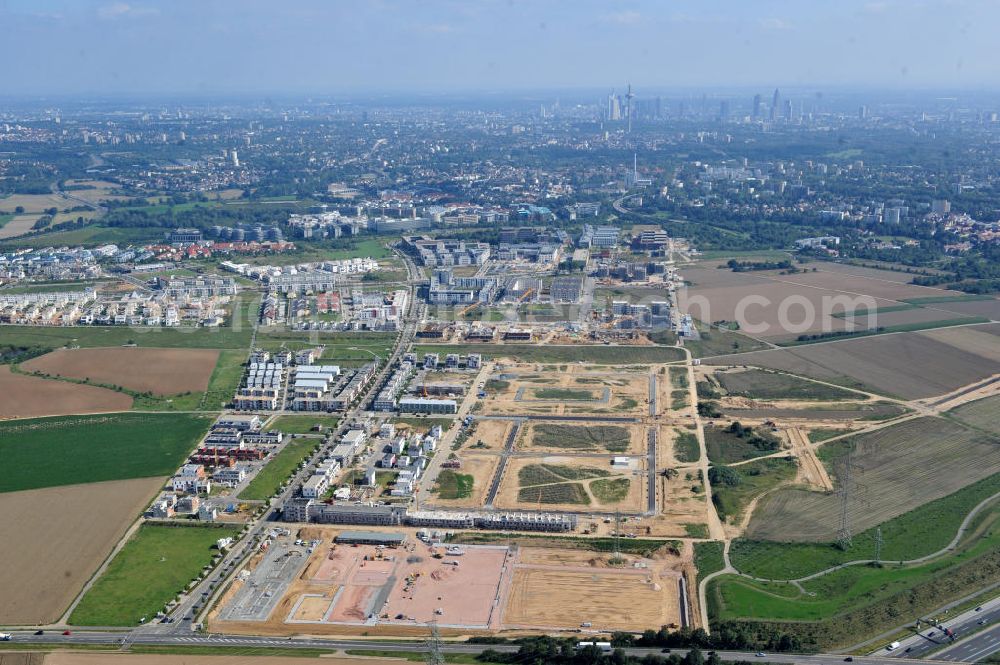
319,47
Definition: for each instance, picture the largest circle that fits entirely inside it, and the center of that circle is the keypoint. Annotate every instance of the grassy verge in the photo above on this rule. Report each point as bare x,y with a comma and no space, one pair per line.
155,565
46,452
277,471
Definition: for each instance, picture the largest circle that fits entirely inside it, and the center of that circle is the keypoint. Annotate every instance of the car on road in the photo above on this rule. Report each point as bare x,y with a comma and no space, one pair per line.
67,632
760,654
979,609
849,659
39,632
982,622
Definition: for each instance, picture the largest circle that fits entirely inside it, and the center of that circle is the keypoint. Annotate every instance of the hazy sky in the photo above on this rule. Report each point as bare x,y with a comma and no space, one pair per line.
340,46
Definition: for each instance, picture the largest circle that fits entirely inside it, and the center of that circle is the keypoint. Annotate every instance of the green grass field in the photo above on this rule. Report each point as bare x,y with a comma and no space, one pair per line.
708,558
686,448
452,485
569,394
303,424
716,342
930,300
761,384
610,490
46,452
278,469
612,438
725,447
755,479
597,354
154,566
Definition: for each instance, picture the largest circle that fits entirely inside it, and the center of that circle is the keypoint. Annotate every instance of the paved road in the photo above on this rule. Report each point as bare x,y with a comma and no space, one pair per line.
973,649
81,638
963,624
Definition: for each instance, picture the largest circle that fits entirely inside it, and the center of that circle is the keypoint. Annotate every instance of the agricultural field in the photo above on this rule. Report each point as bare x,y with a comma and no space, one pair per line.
717,294
48,452
31,397
598,439
569,483
62,534
761,384
900,468
981,414
155,565
278,469
158,371
949,359
570,353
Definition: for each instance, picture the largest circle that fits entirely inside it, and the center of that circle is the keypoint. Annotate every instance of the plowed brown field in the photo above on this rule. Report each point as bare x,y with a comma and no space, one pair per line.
160,371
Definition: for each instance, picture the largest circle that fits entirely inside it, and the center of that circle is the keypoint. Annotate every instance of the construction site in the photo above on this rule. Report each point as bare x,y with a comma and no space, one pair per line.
328,581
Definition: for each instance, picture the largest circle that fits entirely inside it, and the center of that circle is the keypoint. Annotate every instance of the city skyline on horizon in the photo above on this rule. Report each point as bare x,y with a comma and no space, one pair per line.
113,47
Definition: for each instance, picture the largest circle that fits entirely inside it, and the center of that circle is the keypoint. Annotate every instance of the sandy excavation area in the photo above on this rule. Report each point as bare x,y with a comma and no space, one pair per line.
30,397
62,534
159,371
553,589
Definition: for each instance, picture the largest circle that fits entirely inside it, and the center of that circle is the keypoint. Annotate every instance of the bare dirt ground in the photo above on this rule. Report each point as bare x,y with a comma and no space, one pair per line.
55,538
629,391
811,470
160,371
554,592
29,397
493,434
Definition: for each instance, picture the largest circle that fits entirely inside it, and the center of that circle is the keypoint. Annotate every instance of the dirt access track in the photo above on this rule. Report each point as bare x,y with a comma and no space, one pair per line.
159,371
31,397
55,538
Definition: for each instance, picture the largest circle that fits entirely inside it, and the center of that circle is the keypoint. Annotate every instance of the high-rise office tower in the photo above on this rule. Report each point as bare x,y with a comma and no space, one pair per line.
758,105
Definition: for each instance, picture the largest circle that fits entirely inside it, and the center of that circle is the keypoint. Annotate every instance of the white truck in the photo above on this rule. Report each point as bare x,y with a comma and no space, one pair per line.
892,647
5,637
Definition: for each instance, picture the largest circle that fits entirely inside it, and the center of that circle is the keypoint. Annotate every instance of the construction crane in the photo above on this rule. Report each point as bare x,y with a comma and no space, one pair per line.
527,294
